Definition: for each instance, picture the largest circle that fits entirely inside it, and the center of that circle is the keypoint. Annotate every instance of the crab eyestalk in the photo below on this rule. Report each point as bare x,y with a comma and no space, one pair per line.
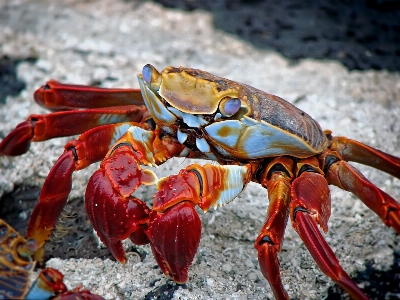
152,77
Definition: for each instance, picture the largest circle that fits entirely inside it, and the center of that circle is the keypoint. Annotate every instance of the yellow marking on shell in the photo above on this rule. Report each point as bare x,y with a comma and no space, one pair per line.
192,94
226,131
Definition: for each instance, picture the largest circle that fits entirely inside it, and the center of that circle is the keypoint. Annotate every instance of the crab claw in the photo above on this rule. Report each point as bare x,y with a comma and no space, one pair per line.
18,141
114,213
174,238
78,294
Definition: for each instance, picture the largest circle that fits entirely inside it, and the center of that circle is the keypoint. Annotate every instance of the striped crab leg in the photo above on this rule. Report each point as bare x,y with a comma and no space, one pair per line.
78,109
57,96
65,123
346,177
351,150
174,226
276,179
311,206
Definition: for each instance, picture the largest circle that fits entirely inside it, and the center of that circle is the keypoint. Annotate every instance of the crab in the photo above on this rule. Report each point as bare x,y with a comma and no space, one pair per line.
16,266
184,112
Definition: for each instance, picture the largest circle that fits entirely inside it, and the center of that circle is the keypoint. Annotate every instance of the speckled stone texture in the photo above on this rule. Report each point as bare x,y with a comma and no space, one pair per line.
107,43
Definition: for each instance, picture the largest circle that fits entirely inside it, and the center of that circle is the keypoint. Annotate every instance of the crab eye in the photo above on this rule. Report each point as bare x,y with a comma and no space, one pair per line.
147,72
152,77
230,106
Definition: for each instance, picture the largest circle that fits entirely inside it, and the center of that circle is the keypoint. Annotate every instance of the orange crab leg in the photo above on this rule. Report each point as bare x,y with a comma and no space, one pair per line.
350,179
90,147
58,96
269,241
311,206
351,150
66,123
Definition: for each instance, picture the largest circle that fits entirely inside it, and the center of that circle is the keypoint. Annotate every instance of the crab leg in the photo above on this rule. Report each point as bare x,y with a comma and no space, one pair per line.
350,179
311,206
90,147
269,241
351,150
58,96
48,284
66,123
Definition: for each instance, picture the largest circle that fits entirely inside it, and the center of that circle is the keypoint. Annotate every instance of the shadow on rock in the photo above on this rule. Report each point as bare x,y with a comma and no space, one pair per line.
73,237
360,34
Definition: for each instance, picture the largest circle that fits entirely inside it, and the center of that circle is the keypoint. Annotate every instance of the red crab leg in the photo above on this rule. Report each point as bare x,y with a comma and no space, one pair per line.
58,96
174,226
350,179
311,206
270,239
351,150
66,123
90,147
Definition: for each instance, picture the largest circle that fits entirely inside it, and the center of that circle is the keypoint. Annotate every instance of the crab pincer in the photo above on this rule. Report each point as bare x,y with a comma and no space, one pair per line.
114,213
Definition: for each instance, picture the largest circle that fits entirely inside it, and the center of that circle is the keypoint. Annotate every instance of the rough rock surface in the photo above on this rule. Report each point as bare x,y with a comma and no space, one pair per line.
107,43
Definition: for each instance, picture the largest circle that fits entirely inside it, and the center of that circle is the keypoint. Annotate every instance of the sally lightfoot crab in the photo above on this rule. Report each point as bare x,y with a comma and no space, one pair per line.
254,136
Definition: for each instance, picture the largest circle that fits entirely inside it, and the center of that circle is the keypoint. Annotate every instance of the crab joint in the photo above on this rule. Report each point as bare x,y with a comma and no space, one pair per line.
206,186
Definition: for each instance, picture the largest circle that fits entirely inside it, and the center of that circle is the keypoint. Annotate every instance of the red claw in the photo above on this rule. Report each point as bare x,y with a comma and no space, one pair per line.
114,213
172,228
78,294
174,238
113,217
123,171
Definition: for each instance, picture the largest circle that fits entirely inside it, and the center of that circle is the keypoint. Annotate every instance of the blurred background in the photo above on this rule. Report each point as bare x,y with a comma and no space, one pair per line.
360,34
